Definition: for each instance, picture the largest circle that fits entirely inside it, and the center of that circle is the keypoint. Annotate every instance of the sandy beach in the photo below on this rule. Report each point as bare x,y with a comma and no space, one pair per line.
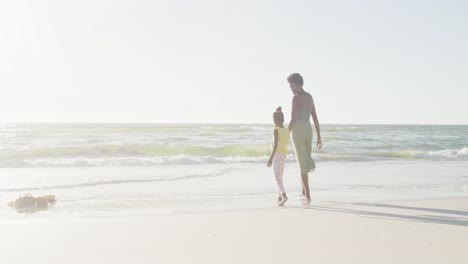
416,231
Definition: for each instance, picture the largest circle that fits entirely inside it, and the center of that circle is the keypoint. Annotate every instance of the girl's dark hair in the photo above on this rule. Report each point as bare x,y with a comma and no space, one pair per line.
278,115
296,78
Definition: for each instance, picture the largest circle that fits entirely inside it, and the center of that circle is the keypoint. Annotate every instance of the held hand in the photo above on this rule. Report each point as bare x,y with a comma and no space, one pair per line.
319,143
270,162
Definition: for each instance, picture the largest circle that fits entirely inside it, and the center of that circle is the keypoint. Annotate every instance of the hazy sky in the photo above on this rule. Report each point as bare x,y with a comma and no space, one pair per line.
227,61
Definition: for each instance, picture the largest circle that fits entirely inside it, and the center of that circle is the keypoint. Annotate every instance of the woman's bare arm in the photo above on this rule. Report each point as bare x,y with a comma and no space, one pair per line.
317,125
295,108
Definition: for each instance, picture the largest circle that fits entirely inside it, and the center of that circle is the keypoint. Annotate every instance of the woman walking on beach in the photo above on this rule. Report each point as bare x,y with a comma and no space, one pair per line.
302,108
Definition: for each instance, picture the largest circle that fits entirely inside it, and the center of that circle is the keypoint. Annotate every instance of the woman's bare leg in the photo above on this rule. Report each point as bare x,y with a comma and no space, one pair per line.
305,186
302,185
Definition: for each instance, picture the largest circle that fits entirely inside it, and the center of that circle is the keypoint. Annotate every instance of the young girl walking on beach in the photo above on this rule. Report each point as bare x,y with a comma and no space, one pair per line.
279,153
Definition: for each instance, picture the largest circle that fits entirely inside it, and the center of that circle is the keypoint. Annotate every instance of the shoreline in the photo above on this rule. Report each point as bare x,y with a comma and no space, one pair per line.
179,206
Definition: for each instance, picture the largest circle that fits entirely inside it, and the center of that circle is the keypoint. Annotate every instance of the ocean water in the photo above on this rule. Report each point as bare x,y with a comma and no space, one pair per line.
167,168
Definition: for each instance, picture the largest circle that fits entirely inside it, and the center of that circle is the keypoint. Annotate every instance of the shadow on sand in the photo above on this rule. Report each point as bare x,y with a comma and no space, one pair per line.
449,217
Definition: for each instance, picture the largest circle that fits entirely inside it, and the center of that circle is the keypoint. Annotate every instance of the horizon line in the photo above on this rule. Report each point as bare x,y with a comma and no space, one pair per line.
222,123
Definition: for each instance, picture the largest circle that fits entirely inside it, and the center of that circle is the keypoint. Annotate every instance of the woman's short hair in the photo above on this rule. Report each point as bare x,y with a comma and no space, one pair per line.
296,78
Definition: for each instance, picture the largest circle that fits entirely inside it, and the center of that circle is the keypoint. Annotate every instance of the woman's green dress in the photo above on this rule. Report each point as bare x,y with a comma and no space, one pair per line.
302,139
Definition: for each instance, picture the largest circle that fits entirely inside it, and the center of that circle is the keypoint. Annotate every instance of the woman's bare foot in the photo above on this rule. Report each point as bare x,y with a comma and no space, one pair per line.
284,199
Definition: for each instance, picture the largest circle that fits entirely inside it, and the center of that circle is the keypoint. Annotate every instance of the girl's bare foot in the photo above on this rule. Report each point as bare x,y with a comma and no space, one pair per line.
306,201
284,198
